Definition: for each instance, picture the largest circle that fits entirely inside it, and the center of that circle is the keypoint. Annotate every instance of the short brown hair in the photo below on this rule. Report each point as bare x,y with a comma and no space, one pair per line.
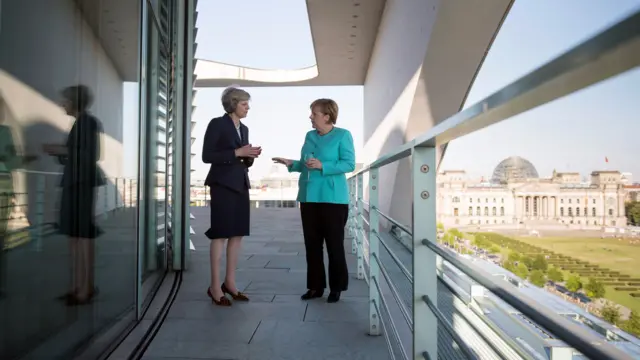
326,107
231,97
79,96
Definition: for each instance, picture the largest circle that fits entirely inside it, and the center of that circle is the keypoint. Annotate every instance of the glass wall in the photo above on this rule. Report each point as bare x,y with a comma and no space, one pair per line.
86,126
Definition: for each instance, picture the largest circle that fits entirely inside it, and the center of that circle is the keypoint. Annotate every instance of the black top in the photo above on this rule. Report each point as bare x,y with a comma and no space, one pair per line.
83,152
220,142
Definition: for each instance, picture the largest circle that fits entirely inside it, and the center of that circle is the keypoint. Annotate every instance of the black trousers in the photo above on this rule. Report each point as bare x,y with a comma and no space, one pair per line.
324,222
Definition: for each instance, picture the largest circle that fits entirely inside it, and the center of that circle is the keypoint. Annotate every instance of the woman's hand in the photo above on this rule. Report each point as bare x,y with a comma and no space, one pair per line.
249,151
314,164
283,161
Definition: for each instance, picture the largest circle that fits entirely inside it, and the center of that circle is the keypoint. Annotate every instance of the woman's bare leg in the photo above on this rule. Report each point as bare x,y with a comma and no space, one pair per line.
92,265
215,254
84,280
75,265
233,251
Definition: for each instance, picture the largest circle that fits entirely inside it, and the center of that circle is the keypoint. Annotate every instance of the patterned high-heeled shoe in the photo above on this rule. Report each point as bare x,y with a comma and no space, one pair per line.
237,296
223,301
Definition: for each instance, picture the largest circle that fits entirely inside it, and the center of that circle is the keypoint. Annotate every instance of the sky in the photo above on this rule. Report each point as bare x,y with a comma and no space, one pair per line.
575,133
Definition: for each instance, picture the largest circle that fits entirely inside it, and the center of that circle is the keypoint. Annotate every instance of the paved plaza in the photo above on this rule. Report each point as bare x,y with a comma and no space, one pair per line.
275,324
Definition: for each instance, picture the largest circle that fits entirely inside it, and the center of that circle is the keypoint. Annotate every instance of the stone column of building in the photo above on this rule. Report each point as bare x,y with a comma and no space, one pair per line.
443,44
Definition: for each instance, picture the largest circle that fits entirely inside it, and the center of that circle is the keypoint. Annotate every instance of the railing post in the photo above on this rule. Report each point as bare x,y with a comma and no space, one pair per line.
374,296
423,179
352,215
360,228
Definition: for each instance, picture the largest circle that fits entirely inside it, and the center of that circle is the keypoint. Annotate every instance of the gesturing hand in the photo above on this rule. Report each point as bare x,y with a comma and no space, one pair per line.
314,164
283,161
249,151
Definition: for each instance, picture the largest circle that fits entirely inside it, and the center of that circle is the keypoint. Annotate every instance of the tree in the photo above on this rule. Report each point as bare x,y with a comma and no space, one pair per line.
540,263
632,210
611,313
537,278
522,271
555,275
494,249
448,239
632,325
574,284
527,261
595,289
440,226
514,256
455,232
509,266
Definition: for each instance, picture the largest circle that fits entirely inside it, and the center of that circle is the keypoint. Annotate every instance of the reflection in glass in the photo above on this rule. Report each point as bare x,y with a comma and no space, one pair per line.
68,222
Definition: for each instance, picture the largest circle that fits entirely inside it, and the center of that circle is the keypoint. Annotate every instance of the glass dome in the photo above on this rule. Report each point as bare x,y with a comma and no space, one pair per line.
514,168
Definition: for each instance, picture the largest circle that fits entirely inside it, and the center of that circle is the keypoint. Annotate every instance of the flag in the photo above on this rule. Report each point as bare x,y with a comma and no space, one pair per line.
606,159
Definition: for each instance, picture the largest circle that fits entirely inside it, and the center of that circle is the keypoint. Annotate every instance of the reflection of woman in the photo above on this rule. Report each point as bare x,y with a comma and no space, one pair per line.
81,175
326,156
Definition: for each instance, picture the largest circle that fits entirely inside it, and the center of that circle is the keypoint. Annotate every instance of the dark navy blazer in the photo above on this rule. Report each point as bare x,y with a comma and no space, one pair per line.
220,142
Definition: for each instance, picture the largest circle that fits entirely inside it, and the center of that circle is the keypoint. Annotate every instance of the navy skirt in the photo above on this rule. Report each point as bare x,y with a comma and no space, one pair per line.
230,213
77,212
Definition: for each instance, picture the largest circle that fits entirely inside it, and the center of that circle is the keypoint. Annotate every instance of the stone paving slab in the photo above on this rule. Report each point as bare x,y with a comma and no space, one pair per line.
275,324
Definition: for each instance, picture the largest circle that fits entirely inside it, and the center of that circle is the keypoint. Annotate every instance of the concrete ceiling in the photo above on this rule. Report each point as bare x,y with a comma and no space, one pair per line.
343,32
116,24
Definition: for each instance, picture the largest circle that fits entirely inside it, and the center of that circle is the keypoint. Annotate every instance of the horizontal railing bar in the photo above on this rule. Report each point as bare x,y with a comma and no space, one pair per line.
499,332
603,56
449,328
394,222
508,342
570,333
395,293
394,328
395,259
401,152
384,330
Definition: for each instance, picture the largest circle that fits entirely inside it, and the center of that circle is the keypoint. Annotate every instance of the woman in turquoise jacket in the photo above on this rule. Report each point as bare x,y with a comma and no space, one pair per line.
326,156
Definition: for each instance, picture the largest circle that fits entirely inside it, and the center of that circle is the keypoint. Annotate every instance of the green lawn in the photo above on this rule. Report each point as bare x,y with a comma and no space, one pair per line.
614,254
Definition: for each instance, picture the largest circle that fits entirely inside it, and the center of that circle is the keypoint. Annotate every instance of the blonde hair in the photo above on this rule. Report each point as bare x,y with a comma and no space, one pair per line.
327,107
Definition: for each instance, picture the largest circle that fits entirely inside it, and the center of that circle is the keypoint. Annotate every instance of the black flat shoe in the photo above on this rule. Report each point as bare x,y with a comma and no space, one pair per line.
334,297
312,294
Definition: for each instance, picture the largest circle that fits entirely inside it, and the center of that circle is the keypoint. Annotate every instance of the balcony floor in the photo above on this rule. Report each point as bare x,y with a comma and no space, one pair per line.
275,324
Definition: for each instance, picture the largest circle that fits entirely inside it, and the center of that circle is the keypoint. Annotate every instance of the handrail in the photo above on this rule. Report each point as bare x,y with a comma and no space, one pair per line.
395,259
603,56
394,222
449,328
570,333
393,324
395,293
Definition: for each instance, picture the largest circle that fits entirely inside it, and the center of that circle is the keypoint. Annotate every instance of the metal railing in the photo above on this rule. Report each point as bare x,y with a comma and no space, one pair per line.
609,53
30,205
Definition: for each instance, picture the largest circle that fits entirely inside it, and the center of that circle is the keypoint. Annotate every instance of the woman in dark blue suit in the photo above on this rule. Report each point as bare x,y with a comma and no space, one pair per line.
80,178
227,149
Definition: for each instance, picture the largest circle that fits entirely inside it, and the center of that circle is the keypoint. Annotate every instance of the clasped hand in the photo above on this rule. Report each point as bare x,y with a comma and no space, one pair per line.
249,151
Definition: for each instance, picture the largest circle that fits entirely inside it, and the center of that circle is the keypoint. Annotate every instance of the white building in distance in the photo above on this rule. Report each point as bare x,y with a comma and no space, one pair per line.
516,195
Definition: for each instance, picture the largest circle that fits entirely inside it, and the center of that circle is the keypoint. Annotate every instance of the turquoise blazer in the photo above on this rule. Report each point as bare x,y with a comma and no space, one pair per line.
336,153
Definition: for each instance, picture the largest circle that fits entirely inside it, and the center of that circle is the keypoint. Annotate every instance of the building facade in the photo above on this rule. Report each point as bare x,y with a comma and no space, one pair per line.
516,196
134,60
